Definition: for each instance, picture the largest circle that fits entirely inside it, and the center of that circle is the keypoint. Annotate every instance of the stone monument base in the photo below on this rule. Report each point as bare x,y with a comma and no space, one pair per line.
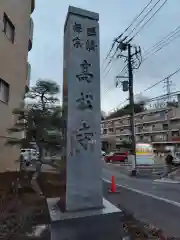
103,224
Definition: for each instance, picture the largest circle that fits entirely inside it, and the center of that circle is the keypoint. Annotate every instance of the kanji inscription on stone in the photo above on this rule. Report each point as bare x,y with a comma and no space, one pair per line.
77,43
77,27
91,45
84,135
85,75
85,101
91,31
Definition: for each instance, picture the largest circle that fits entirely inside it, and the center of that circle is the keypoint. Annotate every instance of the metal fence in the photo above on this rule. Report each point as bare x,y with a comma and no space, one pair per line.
149,171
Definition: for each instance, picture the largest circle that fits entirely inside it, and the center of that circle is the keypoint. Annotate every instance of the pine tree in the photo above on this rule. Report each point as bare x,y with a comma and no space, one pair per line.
40,118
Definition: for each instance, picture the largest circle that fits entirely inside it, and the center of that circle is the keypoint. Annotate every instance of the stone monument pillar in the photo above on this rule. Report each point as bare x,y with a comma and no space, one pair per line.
82,70
87,215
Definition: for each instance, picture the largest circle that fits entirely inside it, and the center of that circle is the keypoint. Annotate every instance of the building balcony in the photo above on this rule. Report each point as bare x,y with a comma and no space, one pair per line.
109,133
109,125
124,132
32,5
143,139
31,30
155,117
150,130
108,137
143,129
117,124
159,140
139,119
159,129
175,126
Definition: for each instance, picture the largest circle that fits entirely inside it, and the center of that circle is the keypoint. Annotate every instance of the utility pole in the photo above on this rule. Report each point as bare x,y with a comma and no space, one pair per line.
168,84
128,86
131,105
168,98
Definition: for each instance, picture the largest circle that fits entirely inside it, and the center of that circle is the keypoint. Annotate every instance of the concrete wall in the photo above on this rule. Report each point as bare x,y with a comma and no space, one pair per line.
13,70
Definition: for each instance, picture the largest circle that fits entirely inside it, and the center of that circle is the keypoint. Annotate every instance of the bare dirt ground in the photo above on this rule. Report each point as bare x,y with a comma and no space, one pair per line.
141,231
24,214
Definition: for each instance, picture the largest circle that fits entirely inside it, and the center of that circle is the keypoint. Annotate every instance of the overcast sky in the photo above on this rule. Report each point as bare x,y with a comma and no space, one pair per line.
46,56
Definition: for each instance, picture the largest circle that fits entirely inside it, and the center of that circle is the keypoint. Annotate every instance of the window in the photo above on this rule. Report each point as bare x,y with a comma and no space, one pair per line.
110,129
140,129
4,91
175,134
104,131
9,28
165,126
161,137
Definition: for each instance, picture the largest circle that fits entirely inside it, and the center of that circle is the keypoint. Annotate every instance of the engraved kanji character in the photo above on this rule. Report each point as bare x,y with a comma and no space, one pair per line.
91,31
91,45
84,135
77,42
85,101
85,75
77,28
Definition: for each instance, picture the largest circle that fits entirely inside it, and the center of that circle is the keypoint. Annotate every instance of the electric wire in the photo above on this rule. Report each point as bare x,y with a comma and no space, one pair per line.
150,87
164,44
164,39
116,39
141,28
136,18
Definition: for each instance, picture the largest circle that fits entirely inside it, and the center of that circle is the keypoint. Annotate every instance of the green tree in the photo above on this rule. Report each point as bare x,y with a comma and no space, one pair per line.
126,144
138,108
41,121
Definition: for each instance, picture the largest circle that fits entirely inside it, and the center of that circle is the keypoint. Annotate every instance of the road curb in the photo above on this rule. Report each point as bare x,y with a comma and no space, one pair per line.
167,181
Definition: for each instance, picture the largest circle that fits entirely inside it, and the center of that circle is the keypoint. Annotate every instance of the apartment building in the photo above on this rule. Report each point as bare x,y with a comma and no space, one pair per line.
16,38
159,127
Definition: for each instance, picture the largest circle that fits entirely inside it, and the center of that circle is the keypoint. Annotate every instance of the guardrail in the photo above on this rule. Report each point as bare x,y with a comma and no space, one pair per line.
152,170
149,171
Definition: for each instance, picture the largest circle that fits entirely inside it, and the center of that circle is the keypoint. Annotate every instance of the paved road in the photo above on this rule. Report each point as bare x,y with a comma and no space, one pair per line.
168,191
155,203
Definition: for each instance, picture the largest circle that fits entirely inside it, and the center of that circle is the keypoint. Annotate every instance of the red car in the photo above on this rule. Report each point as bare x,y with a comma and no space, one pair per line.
117,157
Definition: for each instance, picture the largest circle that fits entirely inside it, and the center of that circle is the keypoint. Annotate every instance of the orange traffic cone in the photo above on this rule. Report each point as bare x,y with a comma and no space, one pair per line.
113,185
